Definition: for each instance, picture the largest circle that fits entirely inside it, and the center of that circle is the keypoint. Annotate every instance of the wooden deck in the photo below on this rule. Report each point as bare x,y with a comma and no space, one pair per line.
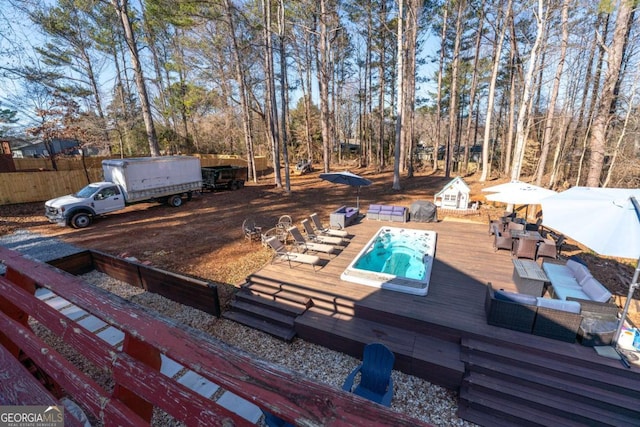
436,336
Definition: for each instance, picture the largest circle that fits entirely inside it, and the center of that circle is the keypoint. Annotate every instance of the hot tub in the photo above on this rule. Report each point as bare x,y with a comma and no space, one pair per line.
398,259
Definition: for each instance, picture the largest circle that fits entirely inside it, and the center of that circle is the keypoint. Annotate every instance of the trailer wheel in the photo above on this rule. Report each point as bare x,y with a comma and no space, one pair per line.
80,220
234,186
175,201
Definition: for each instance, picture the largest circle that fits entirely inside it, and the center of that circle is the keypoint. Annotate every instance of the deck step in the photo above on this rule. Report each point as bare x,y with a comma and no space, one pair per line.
520,387
575,370
281,306
263,313
430,358
490,411
283,333
546,401
275,292
538,379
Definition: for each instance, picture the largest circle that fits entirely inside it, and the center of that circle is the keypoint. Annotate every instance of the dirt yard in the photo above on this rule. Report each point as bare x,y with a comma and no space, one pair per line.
204,237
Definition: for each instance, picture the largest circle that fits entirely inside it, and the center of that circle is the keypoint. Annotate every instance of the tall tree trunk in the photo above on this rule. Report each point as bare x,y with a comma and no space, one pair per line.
271,110
486,168
123,13
283,97
323,80
244,105
521,128
472,90
453,96
400,105
443,44
548,123
604,114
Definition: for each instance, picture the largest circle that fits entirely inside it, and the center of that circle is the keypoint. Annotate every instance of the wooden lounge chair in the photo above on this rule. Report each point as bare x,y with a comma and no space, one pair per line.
304,245
282,254
314,237
324,230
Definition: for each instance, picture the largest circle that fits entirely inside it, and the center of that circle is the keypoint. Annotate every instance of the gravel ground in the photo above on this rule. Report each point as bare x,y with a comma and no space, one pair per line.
412,396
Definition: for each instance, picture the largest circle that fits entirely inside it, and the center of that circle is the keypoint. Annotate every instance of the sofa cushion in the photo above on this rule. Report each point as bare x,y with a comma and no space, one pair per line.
595,291
565,292
385,208
580,272
560,276
374,208
556,304
398,209
514,297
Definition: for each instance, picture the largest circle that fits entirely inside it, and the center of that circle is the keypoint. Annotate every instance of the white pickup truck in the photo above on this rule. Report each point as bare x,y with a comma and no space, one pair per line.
126,181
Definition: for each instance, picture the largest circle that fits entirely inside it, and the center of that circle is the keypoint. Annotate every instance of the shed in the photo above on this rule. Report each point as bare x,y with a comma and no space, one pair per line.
454,195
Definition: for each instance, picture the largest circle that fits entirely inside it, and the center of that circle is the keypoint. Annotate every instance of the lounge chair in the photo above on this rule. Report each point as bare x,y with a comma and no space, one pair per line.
324,230
305,245
376,383
311,234
282,254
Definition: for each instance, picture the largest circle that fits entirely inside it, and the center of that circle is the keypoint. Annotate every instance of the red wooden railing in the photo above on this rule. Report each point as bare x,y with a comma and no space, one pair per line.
135,369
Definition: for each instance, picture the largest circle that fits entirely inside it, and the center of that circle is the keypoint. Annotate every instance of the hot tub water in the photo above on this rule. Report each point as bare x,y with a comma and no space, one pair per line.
398,259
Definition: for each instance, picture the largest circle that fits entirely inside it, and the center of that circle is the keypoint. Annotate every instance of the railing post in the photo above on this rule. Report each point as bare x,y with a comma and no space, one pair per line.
148,355
14,312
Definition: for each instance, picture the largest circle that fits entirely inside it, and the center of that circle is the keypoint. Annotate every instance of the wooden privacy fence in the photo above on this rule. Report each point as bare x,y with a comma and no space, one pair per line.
36,182
25,187
135,367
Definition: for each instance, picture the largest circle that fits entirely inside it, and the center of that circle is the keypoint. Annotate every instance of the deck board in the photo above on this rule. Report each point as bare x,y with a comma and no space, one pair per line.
453,309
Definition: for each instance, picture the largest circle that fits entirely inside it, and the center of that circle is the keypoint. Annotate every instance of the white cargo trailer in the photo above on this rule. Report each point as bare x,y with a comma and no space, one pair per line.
127,181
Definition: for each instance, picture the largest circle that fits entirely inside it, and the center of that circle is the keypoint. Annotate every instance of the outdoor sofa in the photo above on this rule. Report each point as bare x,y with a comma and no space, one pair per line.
591,322
387,213
574,280
343,217
544,317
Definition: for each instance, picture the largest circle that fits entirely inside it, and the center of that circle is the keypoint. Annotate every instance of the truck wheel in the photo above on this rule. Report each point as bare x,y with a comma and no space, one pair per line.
234,186
80,220
175,201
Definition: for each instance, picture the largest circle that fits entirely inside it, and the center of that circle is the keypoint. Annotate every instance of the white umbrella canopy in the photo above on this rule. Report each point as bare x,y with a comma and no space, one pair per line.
603,219
607,220
521,195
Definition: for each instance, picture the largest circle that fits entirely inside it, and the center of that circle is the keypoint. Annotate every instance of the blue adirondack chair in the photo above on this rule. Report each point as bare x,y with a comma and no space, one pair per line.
375,383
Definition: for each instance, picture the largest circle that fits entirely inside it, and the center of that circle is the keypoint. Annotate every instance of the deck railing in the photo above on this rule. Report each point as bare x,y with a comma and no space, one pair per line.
139,384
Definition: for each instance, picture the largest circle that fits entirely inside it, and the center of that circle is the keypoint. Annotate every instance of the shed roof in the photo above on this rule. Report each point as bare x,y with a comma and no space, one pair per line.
457,183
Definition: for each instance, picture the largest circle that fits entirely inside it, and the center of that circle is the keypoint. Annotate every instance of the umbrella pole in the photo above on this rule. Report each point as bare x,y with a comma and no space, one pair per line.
632,288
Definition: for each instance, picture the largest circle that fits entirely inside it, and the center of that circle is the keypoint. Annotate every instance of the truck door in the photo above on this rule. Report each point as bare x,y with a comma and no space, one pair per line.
108,199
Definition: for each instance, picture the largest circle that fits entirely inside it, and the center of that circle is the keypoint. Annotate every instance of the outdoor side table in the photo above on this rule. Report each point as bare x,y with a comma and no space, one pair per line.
597,329
528,277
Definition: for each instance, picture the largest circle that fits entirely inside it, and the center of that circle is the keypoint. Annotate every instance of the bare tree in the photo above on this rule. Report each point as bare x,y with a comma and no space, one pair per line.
548,122
603,116
486,168
121,7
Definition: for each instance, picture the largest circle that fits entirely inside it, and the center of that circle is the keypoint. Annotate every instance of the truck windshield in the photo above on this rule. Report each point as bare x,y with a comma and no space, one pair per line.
87,191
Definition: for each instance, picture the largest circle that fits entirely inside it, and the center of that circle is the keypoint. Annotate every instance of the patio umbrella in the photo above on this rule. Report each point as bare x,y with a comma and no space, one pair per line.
518,193
607,220
346,178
